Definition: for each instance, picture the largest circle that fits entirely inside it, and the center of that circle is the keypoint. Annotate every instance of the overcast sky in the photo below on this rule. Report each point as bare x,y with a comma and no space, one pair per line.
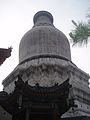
16,18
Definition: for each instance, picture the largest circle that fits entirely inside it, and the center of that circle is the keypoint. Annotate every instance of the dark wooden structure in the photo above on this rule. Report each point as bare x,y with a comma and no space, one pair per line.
34,102
4,53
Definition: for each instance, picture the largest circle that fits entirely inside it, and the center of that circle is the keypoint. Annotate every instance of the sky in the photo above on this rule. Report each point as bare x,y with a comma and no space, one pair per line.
16,18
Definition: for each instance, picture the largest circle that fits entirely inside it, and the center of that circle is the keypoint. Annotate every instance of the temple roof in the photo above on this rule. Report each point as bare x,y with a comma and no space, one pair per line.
35,94
4,53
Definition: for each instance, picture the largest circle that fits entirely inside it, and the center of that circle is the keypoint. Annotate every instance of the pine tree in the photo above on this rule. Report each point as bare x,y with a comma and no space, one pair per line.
81,33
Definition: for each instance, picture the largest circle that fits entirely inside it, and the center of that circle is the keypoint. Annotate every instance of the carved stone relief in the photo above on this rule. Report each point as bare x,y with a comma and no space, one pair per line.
44,75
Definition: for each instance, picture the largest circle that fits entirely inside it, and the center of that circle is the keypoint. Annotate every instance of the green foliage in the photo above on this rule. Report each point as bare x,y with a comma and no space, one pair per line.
81,33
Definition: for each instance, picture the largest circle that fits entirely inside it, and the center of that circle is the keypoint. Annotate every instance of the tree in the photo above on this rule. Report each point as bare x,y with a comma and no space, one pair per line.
81,33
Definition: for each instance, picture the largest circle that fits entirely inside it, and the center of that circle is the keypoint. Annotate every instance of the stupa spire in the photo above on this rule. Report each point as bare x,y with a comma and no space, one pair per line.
43,17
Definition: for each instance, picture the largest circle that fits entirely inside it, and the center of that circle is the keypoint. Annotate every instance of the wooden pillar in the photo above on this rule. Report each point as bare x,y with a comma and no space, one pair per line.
56,115
20,101
27,114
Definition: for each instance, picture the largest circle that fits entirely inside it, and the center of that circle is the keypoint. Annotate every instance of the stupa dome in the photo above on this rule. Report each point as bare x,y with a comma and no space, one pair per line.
43,39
